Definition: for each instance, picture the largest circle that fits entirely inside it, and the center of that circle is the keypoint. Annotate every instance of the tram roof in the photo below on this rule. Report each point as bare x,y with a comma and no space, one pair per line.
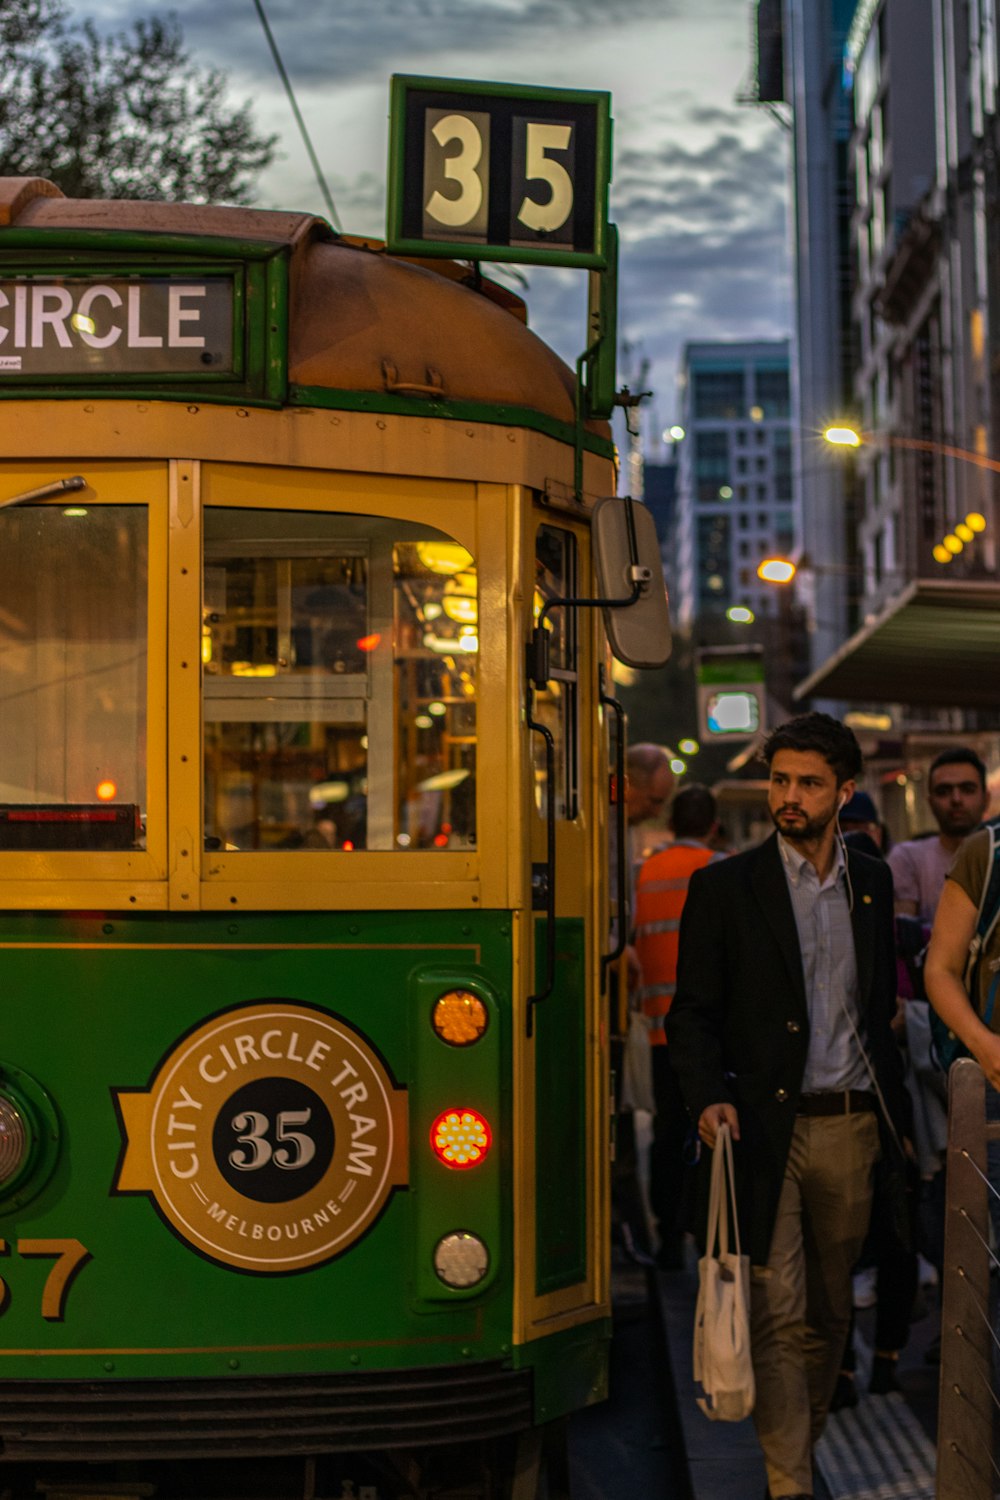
360,319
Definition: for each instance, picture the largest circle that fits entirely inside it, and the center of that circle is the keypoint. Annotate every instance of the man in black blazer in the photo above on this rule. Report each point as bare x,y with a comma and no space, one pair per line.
780,1027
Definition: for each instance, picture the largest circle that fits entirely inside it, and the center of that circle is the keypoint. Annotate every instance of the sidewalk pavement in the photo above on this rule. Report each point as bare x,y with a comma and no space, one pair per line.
881,1448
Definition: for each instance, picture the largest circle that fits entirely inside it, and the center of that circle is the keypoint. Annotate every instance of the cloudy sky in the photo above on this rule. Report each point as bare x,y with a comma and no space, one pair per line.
700,182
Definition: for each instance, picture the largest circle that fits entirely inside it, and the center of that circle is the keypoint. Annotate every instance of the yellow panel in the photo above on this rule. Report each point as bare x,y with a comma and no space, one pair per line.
303,437
184,686
358,895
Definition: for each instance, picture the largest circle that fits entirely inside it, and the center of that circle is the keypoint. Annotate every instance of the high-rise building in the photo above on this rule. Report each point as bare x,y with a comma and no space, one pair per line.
734,481
893,106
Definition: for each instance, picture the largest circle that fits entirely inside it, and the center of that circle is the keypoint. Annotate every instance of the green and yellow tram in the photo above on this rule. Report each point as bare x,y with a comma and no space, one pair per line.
303,1058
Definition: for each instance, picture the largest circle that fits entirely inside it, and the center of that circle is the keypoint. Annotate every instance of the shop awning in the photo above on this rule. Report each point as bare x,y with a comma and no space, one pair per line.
937,643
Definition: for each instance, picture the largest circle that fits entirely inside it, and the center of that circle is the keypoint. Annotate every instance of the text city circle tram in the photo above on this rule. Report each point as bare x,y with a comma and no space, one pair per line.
304,903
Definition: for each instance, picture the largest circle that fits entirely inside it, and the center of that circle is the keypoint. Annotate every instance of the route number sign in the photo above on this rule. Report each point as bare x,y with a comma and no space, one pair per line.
492,171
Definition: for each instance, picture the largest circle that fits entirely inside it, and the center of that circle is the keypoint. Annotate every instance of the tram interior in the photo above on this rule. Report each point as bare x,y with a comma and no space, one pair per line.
338,654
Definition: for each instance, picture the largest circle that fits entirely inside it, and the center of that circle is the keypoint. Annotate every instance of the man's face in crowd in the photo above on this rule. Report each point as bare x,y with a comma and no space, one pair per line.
802,796
646,798
958,799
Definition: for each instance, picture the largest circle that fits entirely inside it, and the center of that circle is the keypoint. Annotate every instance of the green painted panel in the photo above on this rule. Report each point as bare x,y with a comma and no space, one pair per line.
94,1005
570,1368
561,1122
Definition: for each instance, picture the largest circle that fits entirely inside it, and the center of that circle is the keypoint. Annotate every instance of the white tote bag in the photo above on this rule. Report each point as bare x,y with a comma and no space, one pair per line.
722,1367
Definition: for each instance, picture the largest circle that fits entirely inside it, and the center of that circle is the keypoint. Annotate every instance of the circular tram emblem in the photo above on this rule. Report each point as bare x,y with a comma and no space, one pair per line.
270,1137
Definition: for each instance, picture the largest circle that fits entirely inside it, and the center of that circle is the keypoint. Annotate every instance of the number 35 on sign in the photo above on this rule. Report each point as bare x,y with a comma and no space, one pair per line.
494,171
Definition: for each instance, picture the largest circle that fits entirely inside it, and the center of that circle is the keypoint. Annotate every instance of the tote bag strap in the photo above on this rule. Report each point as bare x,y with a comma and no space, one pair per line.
717,1235
730,1170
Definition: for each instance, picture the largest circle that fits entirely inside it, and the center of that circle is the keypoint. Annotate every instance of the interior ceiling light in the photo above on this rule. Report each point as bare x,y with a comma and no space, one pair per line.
444,557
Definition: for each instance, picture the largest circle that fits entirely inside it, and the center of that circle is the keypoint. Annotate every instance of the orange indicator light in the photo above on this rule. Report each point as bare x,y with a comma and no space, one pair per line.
460,1138
369,642
107,791
459,1018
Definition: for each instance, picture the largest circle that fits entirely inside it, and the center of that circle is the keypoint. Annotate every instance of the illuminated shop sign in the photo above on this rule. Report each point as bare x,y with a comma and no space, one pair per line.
116,325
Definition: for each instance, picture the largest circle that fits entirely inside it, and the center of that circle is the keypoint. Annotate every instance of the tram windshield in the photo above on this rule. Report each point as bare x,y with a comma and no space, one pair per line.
339,681
73,647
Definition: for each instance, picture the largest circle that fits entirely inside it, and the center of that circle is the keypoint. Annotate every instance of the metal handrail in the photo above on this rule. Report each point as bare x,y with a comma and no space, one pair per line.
966,1467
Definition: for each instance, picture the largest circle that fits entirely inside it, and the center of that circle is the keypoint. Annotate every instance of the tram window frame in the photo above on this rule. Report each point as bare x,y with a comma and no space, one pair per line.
110,869
564,668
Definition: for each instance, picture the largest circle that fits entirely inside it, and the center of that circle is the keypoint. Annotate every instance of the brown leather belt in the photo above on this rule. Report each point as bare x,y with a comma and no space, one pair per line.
846,1102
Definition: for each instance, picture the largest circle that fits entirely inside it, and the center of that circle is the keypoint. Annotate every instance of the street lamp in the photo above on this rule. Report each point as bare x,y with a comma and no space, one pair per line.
777,570
952,542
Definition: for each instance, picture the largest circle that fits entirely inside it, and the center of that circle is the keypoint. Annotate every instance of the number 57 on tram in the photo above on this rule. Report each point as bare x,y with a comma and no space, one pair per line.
303,848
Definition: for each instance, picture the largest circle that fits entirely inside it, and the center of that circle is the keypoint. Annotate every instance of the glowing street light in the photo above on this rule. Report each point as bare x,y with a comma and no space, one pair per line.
843,437
776,570
740,615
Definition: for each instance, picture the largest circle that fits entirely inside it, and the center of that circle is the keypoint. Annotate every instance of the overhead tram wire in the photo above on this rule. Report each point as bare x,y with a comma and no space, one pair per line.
320,178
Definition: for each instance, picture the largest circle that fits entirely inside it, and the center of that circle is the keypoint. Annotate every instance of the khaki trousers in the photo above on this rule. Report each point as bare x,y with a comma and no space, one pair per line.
800,1304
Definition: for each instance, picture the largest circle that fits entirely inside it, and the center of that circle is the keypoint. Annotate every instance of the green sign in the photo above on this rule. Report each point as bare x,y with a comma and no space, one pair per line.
493,171
731,697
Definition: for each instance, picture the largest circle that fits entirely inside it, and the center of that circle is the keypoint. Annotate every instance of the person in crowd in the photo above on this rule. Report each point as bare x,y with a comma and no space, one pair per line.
648,785
888,1278
957,795
944,975
661,890
958,799
861,826
781,1029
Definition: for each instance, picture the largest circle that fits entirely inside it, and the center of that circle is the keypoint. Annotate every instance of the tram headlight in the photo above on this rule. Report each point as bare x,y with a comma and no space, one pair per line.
461,1260
15,1140
461,1138
30,1137
459,1018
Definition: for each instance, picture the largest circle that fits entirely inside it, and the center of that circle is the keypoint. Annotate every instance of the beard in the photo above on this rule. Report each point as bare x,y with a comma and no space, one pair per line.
957,825
800,829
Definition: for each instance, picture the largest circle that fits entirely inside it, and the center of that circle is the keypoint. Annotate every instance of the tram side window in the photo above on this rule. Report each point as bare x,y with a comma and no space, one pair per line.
339,668
556,573
73,678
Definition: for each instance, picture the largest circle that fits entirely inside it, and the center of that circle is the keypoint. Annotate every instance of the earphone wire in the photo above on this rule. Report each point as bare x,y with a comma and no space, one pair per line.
857,1035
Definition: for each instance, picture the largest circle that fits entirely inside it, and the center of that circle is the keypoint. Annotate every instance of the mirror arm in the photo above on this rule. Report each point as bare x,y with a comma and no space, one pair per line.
538,646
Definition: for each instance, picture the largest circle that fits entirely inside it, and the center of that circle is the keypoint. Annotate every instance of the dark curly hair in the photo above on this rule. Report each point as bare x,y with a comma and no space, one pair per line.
820,732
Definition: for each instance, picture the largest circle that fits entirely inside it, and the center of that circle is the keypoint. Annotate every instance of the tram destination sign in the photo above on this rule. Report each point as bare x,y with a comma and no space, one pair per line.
492,171
101,326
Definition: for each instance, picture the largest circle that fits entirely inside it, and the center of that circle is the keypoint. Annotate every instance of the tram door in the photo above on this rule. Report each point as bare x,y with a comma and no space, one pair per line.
566,1137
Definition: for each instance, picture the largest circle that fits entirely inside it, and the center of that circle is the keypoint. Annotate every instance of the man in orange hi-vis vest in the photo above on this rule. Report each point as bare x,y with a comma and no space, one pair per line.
661,890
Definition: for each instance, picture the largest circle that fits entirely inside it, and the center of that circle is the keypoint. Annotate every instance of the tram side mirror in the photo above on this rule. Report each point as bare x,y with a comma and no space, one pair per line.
626,552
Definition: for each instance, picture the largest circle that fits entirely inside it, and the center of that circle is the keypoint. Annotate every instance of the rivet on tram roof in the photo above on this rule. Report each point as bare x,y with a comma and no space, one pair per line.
241,411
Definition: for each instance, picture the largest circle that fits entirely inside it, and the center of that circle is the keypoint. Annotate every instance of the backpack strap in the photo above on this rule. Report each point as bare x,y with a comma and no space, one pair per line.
988,914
